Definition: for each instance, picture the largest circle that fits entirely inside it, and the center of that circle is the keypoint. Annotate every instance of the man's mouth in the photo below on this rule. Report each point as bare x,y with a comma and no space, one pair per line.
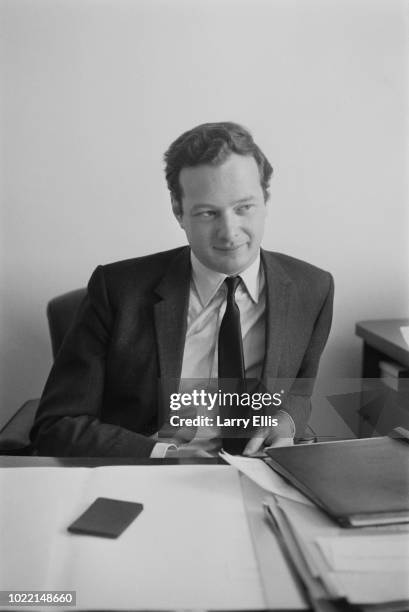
229,249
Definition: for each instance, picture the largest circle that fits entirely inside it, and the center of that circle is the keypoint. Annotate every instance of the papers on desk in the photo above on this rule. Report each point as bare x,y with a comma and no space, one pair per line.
265,477
369,566
379,553
366,566
189,548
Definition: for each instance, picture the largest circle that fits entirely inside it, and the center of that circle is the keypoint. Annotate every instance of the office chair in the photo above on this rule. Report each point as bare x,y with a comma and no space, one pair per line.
60,314
14,436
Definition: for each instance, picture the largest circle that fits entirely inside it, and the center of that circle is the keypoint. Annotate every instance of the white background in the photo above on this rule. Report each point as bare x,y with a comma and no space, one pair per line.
93,92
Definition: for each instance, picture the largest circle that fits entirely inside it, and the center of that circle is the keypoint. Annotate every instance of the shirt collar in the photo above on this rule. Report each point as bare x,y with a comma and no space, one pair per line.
208,281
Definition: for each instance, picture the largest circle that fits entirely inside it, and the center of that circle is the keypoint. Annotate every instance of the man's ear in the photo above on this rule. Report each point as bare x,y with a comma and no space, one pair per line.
178,212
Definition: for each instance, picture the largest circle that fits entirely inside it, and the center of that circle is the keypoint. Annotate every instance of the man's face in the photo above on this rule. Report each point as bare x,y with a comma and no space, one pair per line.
223,213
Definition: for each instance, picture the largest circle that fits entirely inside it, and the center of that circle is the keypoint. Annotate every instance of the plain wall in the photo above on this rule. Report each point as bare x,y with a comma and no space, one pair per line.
93,92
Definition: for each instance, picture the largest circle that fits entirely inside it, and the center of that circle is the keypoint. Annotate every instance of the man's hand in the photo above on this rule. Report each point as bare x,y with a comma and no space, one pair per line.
269,437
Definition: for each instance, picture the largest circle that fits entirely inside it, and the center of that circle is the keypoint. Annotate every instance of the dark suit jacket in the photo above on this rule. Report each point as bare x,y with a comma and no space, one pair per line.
105,393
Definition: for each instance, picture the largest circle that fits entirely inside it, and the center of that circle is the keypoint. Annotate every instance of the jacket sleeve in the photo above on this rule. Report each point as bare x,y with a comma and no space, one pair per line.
298,404
68,418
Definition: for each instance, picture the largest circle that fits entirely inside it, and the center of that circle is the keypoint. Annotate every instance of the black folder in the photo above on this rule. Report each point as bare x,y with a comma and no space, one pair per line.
358,482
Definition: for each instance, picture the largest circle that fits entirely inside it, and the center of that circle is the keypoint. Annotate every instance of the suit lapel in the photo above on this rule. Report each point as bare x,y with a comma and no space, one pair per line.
170,315
277,305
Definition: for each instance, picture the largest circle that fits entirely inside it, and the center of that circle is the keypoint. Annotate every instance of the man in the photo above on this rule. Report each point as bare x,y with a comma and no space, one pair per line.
151,326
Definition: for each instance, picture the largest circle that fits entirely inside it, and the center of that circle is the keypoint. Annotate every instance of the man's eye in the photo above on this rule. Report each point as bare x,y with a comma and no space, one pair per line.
206,214
244,208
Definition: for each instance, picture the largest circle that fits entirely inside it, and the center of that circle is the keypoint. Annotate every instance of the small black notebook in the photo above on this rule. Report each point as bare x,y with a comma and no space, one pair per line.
106,517
358,482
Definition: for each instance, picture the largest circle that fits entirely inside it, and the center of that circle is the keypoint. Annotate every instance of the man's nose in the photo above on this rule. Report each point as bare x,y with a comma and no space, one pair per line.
228,227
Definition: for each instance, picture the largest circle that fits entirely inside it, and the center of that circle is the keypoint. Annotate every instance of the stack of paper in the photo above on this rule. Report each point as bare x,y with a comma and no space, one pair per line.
367,567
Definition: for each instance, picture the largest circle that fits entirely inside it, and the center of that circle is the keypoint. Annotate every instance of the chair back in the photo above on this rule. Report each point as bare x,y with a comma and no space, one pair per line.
60,313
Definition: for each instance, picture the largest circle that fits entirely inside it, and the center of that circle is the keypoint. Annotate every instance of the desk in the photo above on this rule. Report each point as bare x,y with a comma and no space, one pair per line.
278,590
383,341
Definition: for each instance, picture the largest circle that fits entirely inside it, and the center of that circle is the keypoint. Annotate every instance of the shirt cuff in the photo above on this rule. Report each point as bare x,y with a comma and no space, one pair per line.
160,449
290,420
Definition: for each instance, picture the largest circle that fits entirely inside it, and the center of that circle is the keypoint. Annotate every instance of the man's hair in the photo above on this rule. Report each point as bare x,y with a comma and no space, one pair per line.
212,143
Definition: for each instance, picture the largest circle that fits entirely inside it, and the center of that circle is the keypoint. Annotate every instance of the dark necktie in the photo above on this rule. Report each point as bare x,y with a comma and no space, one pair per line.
231,364
231,359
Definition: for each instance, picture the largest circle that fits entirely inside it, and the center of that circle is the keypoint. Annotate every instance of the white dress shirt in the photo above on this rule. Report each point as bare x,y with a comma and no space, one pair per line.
207,305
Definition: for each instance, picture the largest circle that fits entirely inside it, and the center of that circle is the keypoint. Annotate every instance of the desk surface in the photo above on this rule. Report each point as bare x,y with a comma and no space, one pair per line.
279,588
385,336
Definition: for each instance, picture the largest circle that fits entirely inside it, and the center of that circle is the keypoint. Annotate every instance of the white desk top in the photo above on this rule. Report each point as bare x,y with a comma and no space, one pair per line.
190,548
